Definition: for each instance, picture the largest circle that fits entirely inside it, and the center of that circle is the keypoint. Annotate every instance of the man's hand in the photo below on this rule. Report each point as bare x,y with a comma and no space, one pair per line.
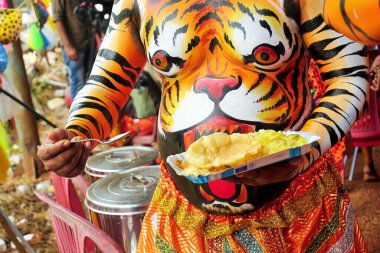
62,157
71,53
274,173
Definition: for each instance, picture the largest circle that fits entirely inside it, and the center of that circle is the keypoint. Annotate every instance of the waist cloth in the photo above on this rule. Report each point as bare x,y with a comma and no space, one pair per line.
313,214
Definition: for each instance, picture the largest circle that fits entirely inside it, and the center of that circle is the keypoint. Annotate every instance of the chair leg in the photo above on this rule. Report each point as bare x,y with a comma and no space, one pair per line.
345,158
353,163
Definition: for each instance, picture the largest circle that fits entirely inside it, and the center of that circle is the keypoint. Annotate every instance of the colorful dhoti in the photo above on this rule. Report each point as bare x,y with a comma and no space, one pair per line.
313,214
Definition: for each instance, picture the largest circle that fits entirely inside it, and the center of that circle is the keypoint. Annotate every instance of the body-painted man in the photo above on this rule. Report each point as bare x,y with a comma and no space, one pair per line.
231,66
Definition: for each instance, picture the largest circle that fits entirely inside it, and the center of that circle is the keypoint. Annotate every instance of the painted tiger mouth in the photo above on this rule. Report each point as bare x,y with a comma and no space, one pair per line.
216,124
220,191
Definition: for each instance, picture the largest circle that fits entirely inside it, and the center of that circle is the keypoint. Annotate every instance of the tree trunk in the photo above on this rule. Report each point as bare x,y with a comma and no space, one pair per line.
26,124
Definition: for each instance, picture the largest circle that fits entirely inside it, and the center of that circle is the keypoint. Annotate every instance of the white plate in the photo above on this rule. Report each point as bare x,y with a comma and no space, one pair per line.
257,163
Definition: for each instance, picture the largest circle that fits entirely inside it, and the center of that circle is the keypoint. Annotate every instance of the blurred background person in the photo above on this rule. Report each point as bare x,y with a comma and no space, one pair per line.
75,34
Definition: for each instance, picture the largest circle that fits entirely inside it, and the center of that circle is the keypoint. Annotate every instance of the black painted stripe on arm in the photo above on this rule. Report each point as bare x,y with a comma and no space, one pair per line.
103,80
330,129
123,15
336,92
324,28
335,108
102,109
363,52
357,111
80,129
345,72
129,73
358,87
118,108
333,136
115,56
312,24
91,119
117,78
317,147
318,49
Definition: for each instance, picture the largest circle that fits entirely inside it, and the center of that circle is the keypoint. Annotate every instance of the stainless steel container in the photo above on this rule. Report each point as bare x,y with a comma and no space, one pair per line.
117,159
118,202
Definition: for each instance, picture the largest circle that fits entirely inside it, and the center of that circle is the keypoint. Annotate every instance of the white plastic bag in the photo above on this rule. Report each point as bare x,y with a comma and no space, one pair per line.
7,105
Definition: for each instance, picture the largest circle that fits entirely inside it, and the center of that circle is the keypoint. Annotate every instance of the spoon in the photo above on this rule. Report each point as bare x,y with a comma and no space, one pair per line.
108,141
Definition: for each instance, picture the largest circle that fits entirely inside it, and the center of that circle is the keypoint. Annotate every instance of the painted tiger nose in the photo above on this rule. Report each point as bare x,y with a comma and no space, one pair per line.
216,88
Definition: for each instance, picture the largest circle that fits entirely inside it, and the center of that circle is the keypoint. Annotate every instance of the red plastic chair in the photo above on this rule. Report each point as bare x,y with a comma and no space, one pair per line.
366,130
75,234
66,194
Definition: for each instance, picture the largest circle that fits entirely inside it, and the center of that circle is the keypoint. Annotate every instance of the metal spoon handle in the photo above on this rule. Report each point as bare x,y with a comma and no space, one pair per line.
108,141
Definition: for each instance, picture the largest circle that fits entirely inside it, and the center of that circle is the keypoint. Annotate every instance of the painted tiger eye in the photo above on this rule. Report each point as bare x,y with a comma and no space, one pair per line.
160,60
265,55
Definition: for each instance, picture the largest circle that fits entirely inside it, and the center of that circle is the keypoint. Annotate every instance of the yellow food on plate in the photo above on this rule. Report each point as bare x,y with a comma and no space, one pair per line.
220,151
276,141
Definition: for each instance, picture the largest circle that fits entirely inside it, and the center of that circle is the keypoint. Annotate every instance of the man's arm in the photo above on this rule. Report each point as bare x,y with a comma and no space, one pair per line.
59,17
70,50
344,70
95,109
120,59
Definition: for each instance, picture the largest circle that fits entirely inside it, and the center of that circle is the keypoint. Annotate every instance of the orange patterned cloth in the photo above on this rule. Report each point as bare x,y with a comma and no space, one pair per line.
315,81
313,214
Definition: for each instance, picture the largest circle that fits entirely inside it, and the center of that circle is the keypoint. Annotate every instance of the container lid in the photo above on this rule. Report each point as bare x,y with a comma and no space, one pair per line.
116,159
125,192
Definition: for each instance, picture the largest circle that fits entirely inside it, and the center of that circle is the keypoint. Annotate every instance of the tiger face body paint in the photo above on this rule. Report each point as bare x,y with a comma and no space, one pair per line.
227,66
